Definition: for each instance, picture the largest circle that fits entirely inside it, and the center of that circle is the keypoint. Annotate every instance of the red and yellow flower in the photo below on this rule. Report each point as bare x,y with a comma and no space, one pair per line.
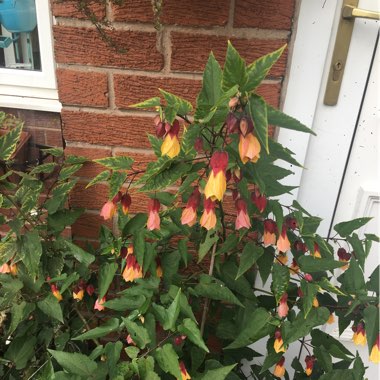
170,146
5,268
132,268
317,251
153,215
159,272
278,342
259,200
184,374
249,146
283,243
99,304
374,357
208,218
309,360
359,337
270,229
56,293
344,257
125,201
108,210
216,184
189,213
331,319
283,308
78,293
242,218
279,369
294,267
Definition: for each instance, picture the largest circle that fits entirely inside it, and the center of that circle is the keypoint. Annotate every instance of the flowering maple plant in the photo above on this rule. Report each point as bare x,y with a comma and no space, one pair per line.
175,293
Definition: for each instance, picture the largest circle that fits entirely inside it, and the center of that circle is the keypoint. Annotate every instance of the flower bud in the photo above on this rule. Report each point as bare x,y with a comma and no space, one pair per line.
232,123
233,102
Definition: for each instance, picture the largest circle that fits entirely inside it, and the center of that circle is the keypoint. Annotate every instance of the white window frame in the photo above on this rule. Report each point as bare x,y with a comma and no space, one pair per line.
34,90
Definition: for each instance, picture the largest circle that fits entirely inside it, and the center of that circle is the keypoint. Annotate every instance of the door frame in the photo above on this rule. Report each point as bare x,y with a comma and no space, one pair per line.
323,157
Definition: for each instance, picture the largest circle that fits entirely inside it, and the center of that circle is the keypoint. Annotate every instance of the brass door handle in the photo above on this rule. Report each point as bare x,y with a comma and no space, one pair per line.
342,43
350,12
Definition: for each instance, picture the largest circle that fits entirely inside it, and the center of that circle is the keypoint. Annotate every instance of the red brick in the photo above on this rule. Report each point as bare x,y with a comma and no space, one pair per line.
89,169
106,129
190,51
176,12
270,92
64,8
92,198
264,14
130,89
82,88
53,138
32,118
85,46
88,226
139,202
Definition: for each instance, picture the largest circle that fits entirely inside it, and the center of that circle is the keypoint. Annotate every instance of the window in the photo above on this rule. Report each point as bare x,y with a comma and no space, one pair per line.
27,70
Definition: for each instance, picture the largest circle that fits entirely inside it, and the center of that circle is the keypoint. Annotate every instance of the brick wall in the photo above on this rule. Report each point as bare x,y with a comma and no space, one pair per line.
96,84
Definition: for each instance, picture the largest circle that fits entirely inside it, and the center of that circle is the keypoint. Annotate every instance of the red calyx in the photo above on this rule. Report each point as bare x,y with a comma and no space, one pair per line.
291,223
219,162
343,254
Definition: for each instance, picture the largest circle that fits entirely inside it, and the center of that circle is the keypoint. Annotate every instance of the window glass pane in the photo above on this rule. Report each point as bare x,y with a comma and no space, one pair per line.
19,46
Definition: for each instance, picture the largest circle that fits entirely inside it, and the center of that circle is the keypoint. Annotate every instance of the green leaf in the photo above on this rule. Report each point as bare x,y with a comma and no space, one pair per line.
115,163
51,307
357,247
58,221
280,119
281,277
19,312
58,196
8,142
256,328
98,332
323,357
167,359
210,287
75,363
169,316
138,333
345,229
20,351
282,153
373,285
302,326
325,284
259,69
258,111
148,103
218,373
265,263
106,274
132,351
211,87
372,237
102,176
371,319
116,181
79,254
310,225
135,224
251,253
234,71
270,361
190,329
309,264
68,171
352,279
139,246
7,250
69,280
44,168
31,251
278,212
332,345
211,238
126,303
56,152
112,352
309,291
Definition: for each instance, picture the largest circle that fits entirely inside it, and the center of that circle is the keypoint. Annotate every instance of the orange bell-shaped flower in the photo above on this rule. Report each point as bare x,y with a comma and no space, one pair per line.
283,243
375,352
217,184
170,146
279,369
153,215
189,214
208,218
242,218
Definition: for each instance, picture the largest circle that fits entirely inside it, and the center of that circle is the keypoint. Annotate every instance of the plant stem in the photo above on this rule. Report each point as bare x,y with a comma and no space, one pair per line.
207,300
83,319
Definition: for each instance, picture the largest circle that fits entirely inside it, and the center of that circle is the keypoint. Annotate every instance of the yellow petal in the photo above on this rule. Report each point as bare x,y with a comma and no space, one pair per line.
216,186
170,147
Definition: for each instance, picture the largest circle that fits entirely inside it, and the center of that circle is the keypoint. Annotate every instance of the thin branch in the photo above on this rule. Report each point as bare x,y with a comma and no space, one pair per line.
83,319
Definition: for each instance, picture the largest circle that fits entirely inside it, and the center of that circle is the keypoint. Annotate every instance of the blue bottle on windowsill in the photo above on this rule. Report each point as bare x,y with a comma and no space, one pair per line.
18,15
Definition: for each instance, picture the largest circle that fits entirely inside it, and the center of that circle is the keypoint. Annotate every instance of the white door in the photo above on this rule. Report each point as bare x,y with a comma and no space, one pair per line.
341,178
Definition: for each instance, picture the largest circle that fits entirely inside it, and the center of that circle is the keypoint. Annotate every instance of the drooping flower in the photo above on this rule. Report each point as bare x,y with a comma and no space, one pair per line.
315,302
5,268
374,357
153,215
99,304
283,307
108,210
309,360
189,213
78,293
90,289
232,123
125,201
249,148
216,184
283,243
291,223
331,319
317,252
359,336
170,146
294,267
132,268
56,292
130,340
270,229
279,369
160,126
278,342
259,200
158,267
208,218
298,245
233,102
282,257
344,257
308,277
242,219
184,374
